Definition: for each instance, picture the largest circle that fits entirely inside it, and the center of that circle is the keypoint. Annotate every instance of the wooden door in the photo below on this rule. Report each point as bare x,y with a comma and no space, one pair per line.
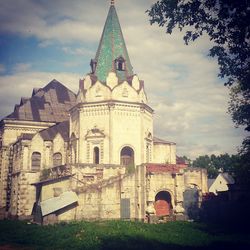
162,208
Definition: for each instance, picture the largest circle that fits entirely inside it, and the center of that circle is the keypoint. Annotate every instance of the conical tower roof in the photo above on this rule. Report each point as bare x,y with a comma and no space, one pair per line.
112,50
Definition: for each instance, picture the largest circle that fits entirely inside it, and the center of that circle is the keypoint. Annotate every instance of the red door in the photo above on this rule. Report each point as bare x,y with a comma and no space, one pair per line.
163,203
161,208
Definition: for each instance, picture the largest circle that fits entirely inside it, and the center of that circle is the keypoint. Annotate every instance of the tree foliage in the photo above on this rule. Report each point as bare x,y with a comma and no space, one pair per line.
227,23
216,164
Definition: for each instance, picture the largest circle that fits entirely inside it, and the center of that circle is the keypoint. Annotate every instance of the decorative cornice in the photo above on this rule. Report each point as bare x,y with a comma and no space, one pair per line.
113,103
20,124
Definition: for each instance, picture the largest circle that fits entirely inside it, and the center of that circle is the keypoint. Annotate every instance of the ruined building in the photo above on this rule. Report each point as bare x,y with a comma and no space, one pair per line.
92,155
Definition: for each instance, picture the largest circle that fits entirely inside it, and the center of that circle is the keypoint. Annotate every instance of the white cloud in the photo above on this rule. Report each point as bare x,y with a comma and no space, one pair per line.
21,84
77,51
22,67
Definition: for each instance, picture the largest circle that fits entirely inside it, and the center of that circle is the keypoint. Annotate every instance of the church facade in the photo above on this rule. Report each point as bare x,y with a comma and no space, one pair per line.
92,155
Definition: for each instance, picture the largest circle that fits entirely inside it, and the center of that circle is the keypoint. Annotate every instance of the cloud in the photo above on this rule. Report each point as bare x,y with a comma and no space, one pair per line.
50,20
23,84
22,67
77,51
2,69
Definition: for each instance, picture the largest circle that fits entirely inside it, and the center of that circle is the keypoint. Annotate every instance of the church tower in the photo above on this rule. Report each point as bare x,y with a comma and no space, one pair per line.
111,123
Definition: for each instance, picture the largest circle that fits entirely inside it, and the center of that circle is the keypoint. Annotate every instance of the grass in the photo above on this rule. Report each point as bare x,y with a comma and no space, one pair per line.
108,235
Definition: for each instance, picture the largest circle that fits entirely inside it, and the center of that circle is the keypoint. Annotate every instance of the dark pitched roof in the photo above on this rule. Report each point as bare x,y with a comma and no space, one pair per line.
210,182
48,104
62,128
25,136
228,178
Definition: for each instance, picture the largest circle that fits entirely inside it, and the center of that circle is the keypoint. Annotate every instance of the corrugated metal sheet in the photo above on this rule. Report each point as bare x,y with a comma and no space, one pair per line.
54,204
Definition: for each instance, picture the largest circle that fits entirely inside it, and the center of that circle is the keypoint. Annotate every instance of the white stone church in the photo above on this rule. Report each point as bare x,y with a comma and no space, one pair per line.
92,155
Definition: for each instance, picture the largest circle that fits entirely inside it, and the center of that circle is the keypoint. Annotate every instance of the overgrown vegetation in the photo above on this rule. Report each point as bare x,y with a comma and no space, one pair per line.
120,235
130,169
216,164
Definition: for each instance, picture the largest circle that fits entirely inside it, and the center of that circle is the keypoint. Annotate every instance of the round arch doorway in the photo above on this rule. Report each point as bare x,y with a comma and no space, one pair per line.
163,205
127,156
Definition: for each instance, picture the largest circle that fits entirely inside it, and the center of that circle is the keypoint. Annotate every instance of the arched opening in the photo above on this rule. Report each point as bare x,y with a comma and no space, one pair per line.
191,202
163,205
57,159
96,155
120,63
120,66
36,161
127,156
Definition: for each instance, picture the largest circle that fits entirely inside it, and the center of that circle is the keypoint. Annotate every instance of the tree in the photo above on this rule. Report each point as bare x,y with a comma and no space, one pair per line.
227,23
215,164
205,162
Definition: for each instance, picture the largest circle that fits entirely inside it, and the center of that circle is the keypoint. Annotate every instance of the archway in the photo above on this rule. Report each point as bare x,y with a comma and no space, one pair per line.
127,156
191,202
163,203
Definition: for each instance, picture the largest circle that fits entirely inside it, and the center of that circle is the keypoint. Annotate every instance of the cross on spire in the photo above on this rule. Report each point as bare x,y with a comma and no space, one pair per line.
112,2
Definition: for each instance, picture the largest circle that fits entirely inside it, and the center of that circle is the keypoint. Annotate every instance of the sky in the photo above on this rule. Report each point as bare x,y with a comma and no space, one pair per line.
42,40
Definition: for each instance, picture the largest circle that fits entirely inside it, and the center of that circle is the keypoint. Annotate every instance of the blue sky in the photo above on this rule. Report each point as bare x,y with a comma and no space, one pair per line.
42,40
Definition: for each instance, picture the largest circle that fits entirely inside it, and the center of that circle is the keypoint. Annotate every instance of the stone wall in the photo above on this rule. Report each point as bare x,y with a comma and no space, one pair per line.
23,194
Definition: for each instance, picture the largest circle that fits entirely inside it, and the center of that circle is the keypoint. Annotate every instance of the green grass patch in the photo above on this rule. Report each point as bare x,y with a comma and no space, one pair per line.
121,235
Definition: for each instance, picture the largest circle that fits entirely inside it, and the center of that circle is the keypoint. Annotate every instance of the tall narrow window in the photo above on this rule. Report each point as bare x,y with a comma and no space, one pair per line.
73,144
127,156
120,66
120,63
96,155
36,161
57,159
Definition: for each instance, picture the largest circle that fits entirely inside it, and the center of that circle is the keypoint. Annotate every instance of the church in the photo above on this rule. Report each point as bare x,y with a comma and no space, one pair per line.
92,155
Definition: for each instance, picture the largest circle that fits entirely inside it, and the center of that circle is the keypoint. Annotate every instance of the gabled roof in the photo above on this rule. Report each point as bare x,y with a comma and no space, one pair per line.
25,136
228,178
210,182
111,47
61,128
48,104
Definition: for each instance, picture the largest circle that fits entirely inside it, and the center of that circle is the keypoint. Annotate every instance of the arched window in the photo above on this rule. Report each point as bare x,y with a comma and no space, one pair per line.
96,155
57,159
127,156
120,63
36,161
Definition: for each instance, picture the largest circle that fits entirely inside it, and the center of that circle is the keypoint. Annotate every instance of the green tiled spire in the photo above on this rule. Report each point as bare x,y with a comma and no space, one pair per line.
112,47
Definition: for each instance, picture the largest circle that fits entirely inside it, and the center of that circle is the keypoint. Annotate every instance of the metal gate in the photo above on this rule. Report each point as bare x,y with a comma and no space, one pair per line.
125,208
